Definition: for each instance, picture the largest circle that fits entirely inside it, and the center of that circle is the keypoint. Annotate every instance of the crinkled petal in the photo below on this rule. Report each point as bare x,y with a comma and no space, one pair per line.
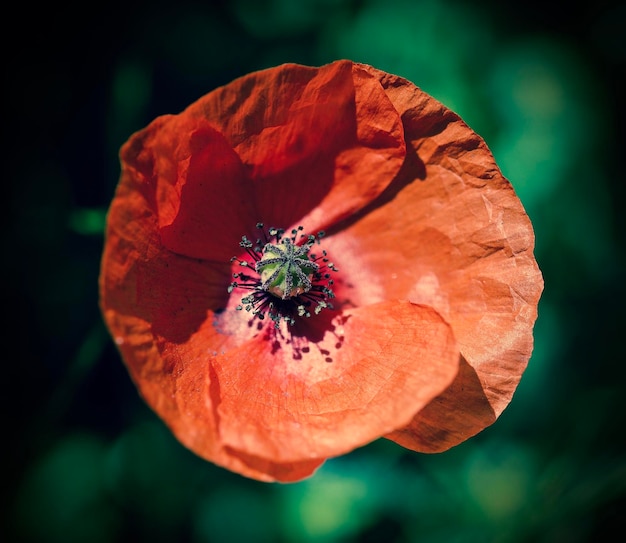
366,373
451,233
243,154
317,143
139,276
195,182
151,319
204,212
179,389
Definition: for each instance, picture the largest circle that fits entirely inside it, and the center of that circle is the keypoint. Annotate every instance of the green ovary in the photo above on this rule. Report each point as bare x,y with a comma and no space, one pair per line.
286,270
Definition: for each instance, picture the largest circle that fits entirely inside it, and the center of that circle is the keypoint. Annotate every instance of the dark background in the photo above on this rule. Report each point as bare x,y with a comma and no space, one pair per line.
83,457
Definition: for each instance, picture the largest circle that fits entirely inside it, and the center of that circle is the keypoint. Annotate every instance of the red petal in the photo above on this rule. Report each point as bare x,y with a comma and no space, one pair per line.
156,304
180,390
451,417
450,233
318,144
140,277
205,205
365,375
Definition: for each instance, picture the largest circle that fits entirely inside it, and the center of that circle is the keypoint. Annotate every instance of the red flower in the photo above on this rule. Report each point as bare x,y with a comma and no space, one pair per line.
411,318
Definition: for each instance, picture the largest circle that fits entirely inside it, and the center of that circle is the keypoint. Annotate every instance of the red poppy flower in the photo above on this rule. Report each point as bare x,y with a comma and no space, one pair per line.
308,259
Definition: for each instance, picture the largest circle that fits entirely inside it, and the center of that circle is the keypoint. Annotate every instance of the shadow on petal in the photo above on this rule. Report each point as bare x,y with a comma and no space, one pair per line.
311,332
412,169
396,357
208,205
264,469
452,417
176,294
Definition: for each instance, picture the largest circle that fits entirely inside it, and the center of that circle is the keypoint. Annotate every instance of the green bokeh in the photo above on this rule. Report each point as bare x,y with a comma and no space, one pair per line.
87,461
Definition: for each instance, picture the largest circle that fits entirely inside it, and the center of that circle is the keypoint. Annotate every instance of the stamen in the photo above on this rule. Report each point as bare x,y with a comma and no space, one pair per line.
290,281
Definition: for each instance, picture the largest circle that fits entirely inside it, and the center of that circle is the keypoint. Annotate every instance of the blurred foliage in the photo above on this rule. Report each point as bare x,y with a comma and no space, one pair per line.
85,460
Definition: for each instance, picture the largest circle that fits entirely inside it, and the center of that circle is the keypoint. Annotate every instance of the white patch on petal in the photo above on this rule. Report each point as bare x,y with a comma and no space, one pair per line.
427,291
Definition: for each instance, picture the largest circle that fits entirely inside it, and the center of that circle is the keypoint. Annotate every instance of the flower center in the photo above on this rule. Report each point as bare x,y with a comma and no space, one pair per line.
285,269
286,279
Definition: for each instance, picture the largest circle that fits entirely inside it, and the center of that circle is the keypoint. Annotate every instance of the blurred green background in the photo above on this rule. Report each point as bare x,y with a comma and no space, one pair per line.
84,460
